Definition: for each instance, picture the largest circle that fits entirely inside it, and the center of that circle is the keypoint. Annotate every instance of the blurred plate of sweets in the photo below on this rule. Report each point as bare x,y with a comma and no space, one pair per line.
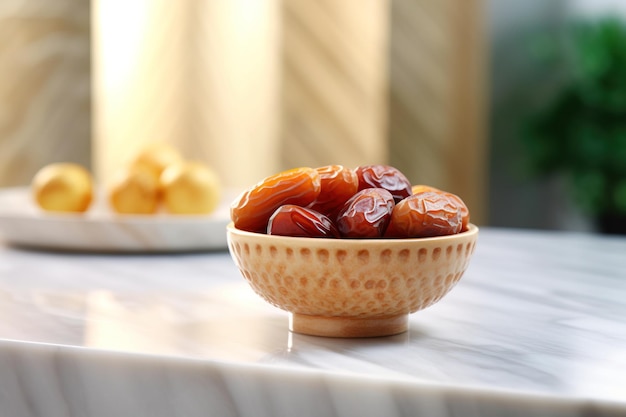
23,223
158,201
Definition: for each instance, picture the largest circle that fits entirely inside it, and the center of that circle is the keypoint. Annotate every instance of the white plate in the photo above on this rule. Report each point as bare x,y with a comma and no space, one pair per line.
22,223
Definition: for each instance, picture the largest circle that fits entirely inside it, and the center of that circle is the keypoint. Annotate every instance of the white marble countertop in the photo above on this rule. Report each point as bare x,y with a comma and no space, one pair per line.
537,326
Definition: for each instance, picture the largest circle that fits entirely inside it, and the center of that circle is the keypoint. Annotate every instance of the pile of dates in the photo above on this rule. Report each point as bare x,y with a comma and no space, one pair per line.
370,201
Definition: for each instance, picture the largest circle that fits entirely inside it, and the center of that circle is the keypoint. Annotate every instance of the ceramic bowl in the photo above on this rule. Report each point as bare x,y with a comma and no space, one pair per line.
351,287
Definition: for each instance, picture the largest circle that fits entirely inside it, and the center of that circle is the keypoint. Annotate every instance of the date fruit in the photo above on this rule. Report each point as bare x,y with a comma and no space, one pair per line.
252,209
465,215
366,214
292,220
425,214
384,176
338,185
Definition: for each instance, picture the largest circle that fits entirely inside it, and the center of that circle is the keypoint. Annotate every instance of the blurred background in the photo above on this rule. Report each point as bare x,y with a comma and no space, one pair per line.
517,107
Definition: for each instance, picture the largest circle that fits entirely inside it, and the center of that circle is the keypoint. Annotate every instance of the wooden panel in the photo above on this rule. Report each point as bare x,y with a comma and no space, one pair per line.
140,97
235,76
45,80
200,74
436,108
334,84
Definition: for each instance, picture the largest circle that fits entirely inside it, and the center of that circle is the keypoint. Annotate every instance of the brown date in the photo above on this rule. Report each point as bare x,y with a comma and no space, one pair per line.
425,214
291,220
465,215
384,176
338,185
252,209
366,214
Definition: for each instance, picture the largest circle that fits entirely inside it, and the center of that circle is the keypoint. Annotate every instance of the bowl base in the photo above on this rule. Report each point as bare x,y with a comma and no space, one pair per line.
348,326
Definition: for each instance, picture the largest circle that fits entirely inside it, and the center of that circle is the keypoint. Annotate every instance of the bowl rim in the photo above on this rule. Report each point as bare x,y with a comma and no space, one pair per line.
472,230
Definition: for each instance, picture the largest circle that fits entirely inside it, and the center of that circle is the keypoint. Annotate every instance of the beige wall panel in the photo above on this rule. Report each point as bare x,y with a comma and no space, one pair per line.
436,97
335,80
202,75
139,89
45,111
235,78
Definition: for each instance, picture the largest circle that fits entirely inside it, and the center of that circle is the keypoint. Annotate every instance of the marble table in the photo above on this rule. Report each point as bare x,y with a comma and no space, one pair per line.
536,327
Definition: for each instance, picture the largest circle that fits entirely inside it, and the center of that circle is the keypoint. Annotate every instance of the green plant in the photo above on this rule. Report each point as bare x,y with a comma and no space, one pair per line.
582,131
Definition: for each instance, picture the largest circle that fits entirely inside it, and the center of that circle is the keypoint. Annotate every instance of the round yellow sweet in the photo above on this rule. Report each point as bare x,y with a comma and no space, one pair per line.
155,157
134,191
63,187
190,188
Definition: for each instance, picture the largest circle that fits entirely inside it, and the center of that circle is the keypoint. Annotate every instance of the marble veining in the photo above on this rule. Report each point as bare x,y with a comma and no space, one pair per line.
534,327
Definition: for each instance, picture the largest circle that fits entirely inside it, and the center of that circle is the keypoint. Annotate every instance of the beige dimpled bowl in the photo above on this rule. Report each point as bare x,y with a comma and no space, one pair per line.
351,287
